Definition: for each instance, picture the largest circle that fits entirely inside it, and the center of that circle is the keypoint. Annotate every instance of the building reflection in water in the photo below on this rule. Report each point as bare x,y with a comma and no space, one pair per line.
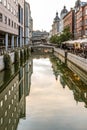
14,87
68,78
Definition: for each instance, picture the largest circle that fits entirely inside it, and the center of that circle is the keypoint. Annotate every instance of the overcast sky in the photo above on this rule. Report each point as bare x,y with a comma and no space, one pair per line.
44,11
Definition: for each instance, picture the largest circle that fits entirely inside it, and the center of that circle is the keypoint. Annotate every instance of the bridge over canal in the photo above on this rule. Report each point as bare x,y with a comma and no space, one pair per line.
42,48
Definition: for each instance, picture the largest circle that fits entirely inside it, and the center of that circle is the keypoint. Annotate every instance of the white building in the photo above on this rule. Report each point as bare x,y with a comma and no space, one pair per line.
62,14
11,23
55,25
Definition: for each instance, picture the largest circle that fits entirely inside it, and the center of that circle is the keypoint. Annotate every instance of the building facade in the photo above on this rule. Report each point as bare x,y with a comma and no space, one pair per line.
30,29
81,22
28,24
68,21
12,96
27,19
21,22
40,36
64,11
55,25
11,23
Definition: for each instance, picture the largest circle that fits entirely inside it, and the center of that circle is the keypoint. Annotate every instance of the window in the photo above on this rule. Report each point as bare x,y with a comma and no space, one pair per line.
16,2
5,128
9,92
15,109
5,20
14,96
86,32
9,22
9,120
1,103
14,12
85,21
12,127
5,97
12,23
8,6
0,1
1,19
5,3
6,113
1,120
86,11
12,101
9,106
12,88
11,10
12,114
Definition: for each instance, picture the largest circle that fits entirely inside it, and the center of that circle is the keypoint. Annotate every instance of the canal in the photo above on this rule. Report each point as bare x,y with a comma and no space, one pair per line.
43,95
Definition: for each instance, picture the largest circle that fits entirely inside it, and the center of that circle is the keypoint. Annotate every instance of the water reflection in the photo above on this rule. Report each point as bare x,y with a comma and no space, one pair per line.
14,87
54,95
72,80
54,102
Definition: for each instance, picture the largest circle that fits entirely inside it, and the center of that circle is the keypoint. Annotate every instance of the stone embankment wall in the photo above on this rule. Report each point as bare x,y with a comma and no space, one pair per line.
12,56
66,57
1,63
60,54
2,60
79,61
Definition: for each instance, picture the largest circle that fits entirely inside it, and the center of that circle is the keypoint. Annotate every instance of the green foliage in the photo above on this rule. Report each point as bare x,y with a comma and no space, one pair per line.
7,61
54,39
65,35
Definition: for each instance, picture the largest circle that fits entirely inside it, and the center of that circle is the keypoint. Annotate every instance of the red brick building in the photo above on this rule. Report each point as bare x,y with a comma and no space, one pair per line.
68,20
81,22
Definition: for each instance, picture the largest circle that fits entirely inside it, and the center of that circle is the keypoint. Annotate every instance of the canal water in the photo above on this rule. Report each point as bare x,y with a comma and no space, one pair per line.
44,95
51,104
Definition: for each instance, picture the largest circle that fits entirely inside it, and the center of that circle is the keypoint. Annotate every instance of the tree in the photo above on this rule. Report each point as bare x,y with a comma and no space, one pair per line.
54,39
65,36
67,33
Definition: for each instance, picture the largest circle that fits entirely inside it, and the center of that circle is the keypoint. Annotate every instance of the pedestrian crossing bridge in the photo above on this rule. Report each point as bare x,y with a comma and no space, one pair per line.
42,48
